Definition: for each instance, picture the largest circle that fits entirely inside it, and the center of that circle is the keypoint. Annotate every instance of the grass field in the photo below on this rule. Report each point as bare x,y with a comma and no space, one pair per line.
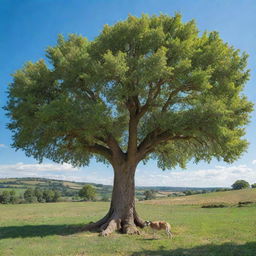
70,189
18,191
53,229
226,197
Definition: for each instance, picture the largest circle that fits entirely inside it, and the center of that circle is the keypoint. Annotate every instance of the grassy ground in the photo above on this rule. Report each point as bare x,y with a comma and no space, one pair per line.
227,197
53,229
18,191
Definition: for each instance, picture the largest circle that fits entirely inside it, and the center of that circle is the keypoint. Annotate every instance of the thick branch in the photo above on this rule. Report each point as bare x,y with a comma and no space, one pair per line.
132,142
136,112
110,148
101,150
169,100
116,151
152,95
93,148
133,106
89,92
146,143
155,138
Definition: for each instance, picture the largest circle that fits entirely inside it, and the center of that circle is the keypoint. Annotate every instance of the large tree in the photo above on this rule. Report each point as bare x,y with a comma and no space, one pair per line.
149,87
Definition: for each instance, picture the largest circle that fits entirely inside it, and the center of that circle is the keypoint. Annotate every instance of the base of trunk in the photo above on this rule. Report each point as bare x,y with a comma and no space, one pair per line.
122,215
114,222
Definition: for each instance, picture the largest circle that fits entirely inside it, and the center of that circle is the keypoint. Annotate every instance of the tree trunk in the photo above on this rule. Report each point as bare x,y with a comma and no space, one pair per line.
122,215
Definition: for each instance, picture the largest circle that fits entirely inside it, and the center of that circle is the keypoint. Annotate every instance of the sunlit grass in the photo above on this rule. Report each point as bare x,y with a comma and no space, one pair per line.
53,229
227,197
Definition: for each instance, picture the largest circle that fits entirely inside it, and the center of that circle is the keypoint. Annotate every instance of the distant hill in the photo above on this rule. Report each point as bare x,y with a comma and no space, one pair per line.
174,189
226,197
68,188
71,188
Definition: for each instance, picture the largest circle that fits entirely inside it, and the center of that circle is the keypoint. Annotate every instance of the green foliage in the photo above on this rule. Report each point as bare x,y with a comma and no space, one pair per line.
183,87
48,195
240,184
253,185
41,196
56,196
88,193
29,196
203,191
5,197
8,197
222,189
150,194
188,192
214,206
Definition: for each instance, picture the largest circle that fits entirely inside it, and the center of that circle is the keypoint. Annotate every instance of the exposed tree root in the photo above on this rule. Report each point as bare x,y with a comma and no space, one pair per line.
113,225
95,226
130,229
138,221
112,222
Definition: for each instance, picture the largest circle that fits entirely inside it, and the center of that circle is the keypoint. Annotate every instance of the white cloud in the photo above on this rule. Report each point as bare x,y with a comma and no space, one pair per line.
253,161
3,146
220,176
54,171
33,170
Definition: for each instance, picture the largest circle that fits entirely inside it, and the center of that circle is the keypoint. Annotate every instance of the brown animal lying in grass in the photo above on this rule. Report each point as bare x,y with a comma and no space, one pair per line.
158,225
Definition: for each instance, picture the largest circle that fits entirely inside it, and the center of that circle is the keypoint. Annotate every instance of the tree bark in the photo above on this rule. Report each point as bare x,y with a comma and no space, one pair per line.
122,215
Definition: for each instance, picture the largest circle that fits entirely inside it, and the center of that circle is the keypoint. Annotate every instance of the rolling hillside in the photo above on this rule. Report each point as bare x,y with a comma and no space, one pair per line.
68,188
55,229
71,188
226,197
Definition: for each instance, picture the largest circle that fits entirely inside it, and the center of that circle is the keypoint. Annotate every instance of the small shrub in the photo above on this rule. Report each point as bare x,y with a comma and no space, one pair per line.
188,193
214,206
149,194
241,204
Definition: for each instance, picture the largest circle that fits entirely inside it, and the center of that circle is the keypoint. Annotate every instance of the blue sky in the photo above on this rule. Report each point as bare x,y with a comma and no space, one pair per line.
27,27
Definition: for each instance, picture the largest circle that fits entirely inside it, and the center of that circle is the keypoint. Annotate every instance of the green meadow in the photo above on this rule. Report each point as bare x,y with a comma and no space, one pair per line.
54,229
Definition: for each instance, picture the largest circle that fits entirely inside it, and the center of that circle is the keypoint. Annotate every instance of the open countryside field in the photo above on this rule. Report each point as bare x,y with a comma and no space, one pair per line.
71,188
53,228
226,197
19,185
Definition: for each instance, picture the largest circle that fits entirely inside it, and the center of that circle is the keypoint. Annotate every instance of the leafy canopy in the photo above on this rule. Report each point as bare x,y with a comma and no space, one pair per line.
151,87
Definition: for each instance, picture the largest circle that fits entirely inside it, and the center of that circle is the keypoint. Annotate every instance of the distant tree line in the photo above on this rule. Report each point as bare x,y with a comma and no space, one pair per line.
41,196
30,195
38,195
